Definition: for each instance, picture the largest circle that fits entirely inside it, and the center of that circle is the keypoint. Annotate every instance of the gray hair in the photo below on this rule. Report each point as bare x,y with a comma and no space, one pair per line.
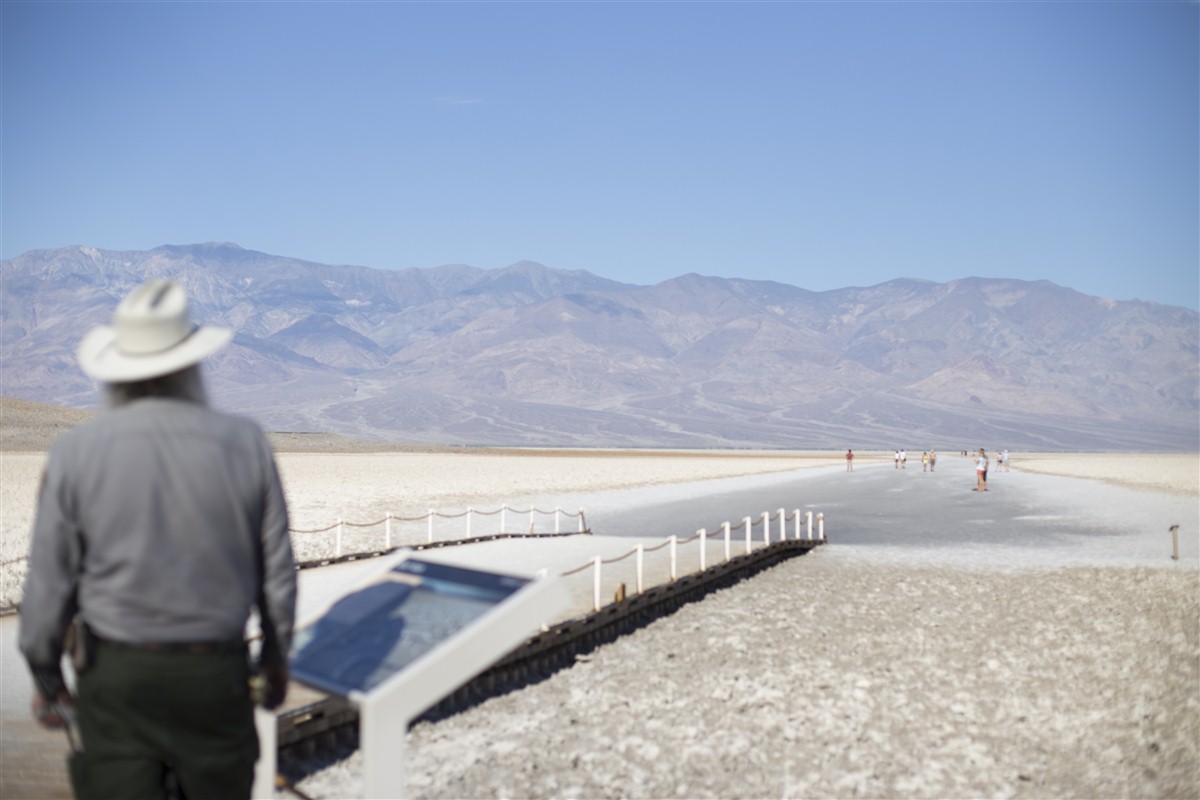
185,384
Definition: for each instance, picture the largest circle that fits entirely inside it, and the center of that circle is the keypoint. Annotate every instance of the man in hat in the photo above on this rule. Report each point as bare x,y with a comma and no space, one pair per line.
161,525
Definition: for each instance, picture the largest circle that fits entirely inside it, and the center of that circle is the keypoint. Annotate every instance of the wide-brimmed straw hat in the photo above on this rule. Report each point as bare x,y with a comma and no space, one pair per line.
151,335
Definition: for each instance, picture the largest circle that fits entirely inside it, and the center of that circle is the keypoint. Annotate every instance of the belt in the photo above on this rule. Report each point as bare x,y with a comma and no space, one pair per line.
197,648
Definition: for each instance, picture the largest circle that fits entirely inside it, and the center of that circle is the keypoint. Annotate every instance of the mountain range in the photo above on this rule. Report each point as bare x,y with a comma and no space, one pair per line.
534,356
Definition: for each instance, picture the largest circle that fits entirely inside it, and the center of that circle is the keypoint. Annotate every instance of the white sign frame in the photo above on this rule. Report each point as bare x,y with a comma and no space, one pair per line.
386,709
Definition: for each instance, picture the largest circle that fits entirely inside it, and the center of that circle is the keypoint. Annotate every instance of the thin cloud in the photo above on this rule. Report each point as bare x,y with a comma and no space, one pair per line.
458,101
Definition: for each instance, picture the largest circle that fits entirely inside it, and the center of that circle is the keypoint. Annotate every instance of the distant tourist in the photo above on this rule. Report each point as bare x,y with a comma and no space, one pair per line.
932,460
897,460
160,526
849,461
981,470
925,461
1003,460
903,459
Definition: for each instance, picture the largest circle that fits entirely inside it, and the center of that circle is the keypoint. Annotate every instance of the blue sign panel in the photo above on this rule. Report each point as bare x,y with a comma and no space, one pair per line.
374,633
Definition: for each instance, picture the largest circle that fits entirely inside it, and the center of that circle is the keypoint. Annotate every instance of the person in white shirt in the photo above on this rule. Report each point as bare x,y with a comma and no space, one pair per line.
981,470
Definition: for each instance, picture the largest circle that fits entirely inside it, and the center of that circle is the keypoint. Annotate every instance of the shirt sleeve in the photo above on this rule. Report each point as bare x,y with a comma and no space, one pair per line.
50,598
277,598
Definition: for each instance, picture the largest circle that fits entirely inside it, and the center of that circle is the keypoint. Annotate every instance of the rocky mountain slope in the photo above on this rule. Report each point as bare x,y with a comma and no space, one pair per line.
529,355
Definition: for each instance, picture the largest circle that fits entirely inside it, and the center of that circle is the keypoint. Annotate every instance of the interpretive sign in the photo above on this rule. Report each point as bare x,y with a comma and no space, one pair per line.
411,636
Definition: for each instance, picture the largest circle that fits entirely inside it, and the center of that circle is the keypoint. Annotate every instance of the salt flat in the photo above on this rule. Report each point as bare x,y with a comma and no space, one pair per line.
856,670
1057,668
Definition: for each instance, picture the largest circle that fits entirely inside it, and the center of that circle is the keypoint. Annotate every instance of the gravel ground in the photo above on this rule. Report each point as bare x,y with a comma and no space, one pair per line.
877,681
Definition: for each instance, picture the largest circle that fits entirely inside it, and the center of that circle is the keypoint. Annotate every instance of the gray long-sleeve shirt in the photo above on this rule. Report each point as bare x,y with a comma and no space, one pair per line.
159,521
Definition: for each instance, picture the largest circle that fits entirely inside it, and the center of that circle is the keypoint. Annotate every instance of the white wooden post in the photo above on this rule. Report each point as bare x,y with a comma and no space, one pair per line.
766,518
387,533
746,522
268,753
782,525
468,522
673,570
796,514
809,515
503,517
703,546
338,546
596,584
431,526
641,553
557,517
581,519
821,526
532,522
727,554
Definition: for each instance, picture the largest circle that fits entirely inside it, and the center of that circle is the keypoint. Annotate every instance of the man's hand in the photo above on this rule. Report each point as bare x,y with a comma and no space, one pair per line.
47,712
275,685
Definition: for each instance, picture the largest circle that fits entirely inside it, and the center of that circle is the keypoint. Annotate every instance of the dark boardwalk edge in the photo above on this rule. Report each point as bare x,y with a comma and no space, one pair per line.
319,734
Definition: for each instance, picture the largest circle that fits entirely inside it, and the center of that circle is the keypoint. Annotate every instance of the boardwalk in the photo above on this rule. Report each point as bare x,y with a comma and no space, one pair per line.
32,759
33,765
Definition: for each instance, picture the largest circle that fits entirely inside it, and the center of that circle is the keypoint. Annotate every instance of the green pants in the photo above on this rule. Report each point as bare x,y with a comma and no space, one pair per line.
142,713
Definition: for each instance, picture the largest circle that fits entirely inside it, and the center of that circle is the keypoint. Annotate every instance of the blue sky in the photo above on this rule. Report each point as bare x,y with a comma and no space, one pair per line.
818,144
